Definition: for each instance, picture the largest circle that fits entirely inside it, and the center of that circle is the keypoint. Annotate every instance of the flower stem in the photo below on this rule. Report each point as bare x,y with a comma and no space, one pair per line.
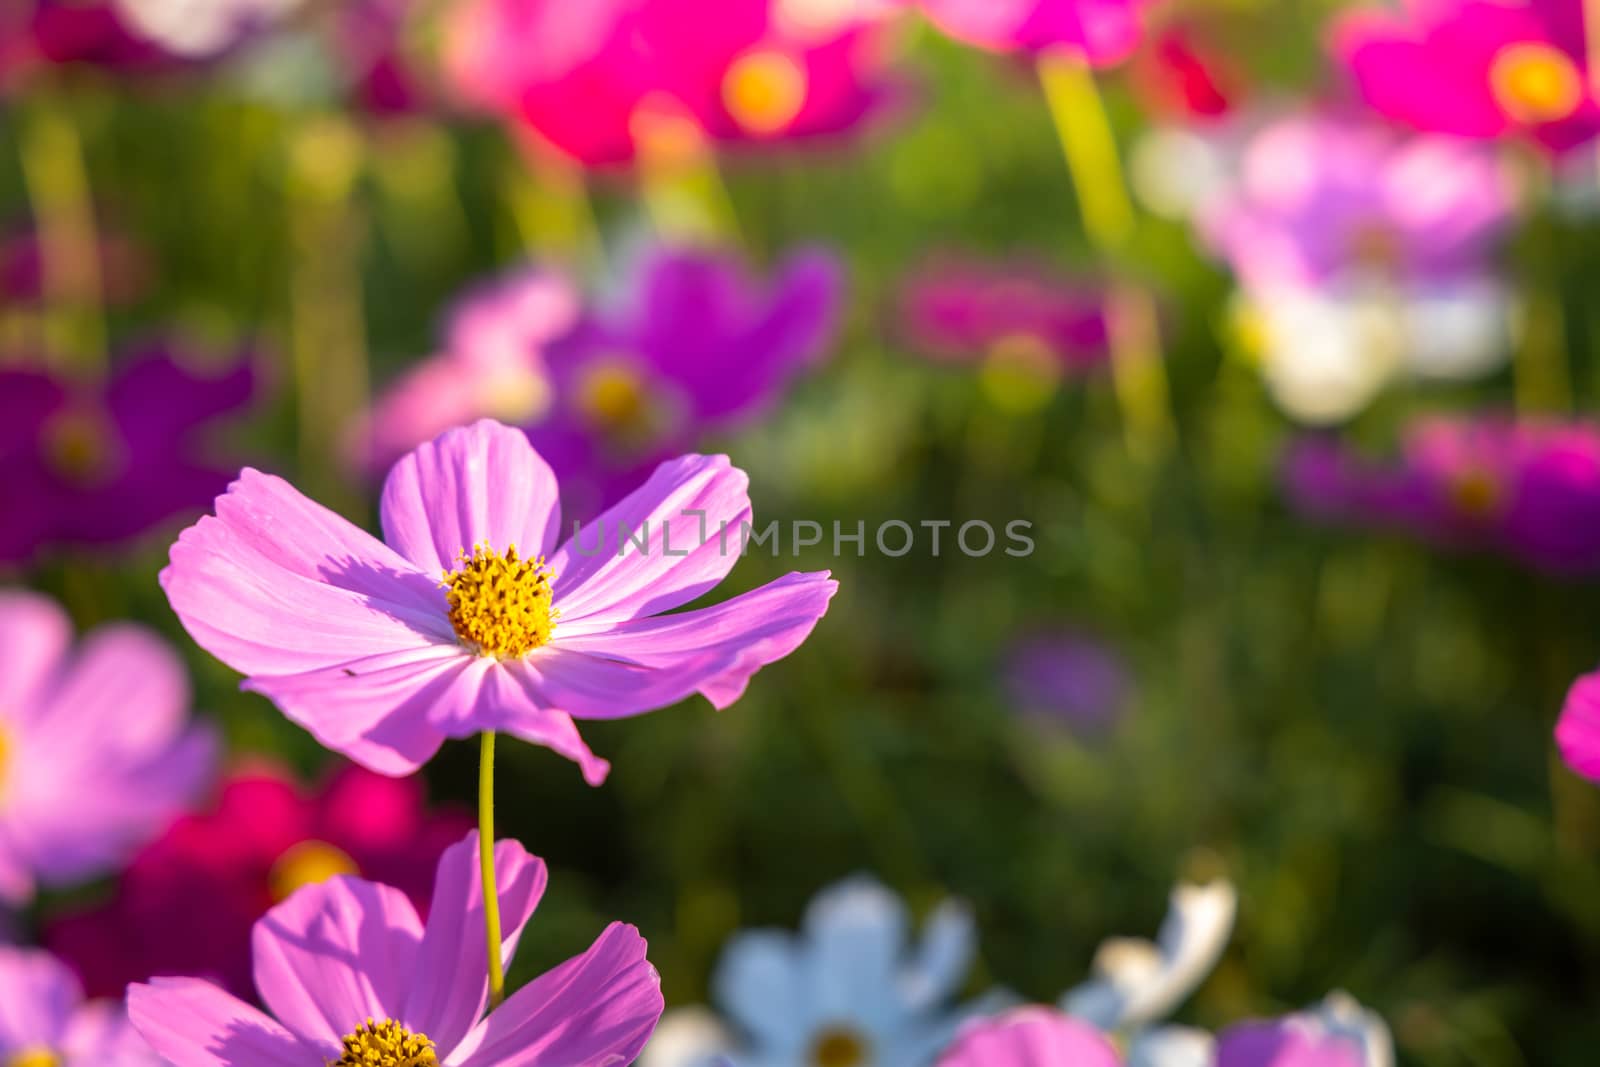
491,894
1081,123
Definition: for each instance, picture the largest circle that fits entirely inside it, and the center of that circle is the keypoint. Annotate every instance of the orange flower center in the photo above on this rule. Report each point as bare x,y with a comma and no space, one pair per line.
1535,82
80,445
1477,493
764,91
36,1056
308,863
840,1046
500,606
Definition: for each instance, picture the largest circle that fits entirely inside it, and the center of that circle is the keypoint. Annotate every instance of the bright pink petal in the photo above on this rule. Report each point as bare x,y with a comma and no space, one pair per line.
376,710
452,978
276,584
125,695
335,954
595,1010
1578,732
679,515
479,484
1031,1037
38,994
192,1023
512,704
34,636
712,650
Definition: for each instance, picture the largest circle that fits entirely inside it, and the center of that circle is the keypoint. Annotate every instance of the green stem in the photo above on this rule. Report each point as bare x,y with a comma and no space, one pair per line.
1138,373
491,894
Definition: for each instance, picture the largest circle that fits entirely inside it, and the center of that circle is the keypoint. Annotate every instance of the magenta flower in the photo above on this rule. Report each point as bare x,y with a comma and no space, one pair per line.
97,754
123,266
1476,68
1103,32
593,83
1528,490
695,346
355,978
970,310
102,463
1031,1037
1578,731
44,1020
470,618
492,366
186,903
1323,199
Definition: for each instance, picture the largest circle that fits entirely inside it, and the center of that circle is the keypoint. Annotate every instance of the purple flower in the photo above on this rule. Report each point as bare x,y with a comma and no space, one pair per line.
1068,679
970,310
44,1020
1322,199
492,366
694,346
100,464
97,754
1529,490
361,643
354,977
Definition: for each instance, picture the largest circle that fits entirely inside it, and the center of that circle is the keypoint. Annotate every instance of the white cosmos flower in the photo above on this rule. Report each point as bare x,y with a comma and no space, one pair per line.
851,989
1137,982
199,28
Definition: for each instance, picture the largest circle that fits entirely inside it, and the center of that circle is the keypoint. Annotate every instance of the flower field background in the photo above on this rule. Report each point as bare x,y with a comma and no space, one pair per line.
1308,586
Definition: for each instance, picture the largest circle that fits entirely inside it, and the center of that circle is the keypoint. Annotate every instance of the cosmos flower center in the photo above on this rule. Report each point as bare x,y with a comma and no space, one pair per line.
79,446
1476,492
35,1056
1535,82
1375,245
840,1046
612,396
764,91
386,1044
308,863
516,396
500,606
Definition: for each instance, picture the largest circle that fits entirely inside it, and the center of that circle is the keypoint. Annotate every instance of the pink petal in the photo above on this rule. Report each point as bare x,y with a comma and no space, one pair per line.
34,636
38,994
1578,732
192,1023
1030,1037
595,1010
713,650
101,1033
125,694
452,984
512,704
478,484
276,584
376,710
602,576
335,954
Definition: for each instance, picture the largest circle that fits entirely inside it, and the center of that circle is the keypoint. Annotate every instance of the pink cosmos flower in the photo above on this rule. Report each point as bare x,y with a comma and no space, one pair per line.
1530,490
186,903
97,755
1476,68
471,618
1031,1037
591,81
1578,732
492,366
44,1019
962,310
355,978
1103,32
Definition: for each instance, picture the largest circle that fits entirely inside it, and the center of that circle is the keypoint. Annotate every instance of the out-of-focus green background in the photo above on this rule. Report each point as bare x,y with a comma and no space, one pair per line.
1354,728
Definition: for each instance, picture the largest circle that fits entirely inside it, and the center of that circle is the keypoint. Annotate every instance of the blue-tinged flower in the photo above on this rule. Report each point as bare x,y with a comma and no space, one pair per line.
850,989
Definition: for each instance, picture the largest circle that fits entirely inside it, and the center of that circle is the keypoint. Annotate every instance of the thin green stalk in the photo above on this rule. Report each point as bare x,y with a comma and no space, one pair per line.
491,895
1138,373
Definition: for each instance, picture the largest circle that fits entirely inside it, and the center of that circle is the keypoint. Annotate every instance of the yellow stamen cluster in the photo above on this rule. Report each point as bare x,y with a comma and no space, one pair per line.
1535,82
839,1046
386,1044
80,446
764,91
1477,493
500,605
308,863
37,1056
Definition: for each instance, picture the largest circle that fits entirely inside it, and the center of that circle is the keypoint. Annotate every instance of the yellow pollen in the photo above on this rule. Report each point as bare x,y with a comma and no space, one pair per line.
1534,82
500,605
1477,493
36,1056
308,863
80,446
386,1044
612,397
839,1046
1020,373
764,91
